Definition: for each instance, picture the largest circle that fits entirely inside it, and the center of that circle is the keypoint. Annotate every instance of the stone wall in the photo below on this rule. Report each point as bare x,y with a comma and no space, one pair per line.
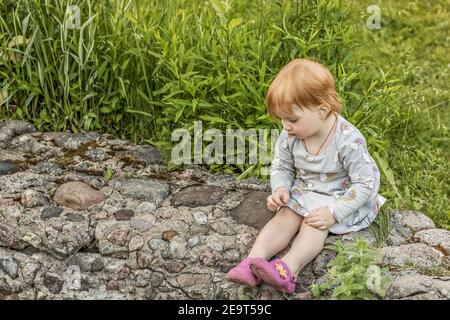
67,231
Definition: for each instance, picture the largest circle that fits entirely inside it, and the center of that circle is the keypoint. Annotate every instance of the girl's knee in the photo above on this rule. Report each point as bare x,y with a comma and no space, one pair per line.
289,213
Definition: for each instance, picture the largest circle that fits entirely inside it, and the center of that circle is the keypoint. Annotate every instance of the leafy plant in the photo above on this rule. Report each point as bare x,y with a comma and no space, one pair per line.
353,273
109,172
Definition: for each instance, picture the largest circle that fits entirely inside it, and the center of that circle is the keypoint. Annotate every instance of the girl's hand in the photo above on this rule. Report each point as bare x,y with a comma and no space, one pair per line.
320,218
279,198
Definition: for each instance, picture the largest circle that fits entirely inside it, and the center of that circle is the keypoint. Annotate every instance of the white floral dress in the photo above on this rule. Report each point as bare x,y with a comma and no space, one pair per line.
344,177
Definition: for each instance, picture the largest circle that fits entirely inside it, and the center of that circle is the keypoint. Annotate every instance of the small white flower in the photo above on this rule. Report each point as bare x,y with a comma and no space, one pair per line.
310,185
336,158
323,177
345,132
308,158
354,146
370,184
302,171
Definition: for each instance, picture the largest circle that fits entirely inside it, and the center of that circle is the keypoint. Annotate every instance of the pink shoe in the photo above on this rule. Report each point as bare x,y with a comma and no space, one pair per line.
243,275
276,273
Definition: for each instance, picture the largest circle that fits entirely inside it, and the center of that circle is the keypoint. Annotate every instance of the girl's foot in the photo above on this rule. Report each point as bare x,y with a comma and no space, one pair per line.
276,273
243,275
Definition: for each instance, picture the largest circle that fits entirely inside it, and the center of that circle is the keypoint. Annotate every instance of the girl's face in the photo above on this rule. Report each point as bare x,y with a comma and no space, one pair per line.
303,123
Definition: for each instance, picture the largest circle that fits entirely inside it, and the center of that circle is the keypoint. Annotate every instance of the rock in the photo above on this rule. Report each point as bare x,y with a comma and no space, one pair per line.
157,244
143,223
113,285
350,237
87,262
51,212
146,207
192,242
411,254
32,198
49,167
136,243
219,213
178,248
10,266
198,229
189,279
198,196
77,195
150,190
12,128
124,273
200,218
96,155
404,224
118,236
437,238
165,213
208,258
214,243
156,279
253,210
8,167
73,141
53,283
174,266
74,217
144,259
320,263
101,215
29,271
124,214
419,287
222,228
146,154
168,235
232,255
142,279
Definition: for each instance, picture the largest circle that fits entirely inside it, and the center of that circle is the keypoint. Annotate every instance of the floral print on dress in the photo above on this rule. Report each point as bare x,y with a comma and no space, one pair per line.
349,195
345,184
355,178
346,128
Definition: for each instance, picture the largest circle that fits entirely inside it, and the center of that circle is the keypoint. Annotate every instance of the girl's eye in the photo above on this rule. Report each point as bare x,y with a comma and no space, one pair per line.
293,120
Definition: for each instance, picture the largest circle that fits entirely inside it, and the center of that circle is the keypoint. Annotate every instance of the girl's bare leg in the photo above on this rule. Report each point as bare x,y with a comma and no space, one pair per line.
276,234
306,246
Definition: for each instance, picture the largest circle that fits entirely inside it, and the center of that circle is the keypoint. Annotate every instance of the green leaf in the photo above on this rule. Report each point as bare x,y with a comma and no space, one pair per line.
234,23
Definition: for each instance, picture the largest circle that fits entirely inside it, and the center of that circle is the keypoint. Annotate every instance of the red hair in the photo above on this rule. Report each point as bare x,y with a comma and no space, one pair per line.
303,83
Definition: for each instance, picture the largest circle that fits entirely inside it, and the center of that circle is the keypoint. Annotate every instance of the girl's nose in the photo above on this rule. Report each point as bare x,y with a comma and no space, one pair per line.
286,126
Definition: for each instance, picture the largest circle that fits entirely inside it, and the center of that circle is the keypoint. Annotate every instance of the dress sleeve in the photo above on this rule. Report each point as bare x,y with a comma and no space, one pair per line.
282,170
362,172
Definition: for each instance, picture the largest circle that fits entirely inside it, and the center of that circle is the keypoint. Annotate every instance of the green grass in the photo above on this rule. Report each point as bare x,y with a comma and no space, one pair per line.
139,69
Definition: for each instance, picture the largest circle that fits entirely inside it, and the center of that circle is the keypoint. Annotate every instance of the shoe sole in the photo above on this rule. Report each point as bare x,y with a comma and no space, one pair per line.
266,277
243,282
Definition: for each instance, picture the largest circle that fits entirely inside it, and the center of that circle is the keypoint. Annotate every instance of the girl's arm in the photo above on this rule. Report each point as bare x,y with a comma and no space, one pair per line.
282,170
363,174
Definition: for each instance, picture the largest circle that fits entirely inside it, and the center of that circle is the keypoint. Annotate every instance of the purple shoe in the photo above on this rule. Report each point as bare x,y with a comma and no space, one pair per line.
243,275
276,273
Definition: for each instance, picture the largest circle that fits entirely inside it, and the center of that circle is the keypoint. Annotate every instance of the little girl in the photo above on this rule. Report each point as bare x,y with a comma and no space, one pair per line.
322,177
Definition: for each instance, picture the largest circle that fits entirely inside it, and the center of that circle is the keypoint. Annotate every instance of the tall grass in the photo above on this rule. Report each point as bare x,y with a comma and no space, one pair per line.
141,68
